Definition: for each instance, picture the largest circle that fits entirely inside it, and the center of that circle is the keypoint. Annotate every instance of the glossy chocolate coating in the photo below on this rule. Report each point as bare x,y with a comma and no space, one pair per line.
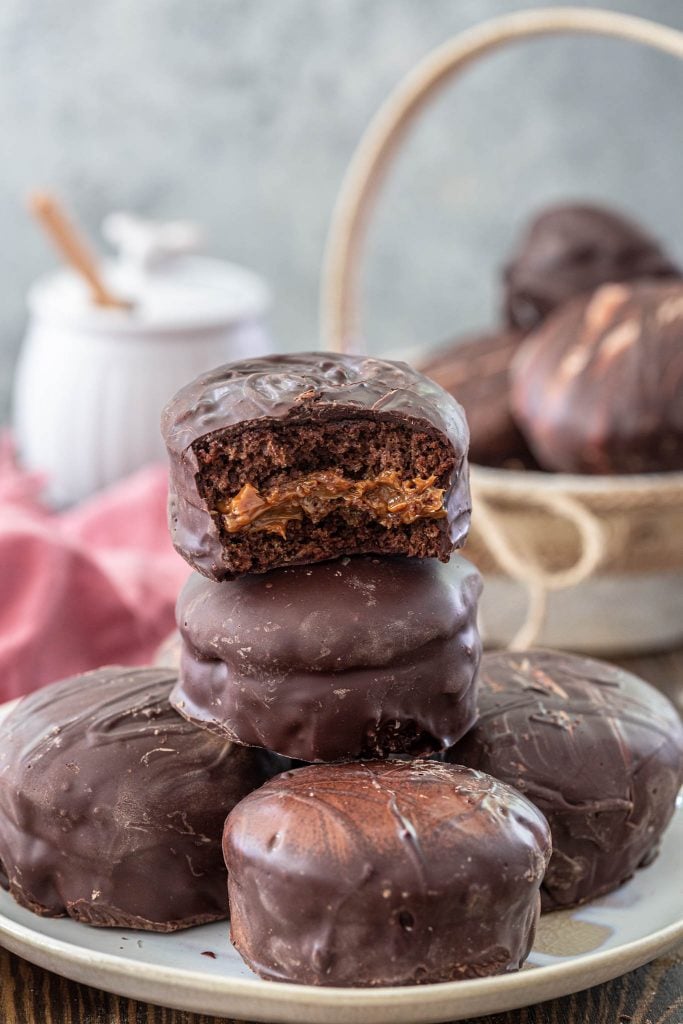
307,387
112,806
362,656
572,249
599,387
384,873
475,370
596,749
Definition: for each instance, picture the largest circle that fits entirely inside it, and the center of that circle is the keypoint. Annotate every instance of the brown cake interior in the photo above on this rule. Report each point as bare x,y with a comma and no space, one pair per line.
308,491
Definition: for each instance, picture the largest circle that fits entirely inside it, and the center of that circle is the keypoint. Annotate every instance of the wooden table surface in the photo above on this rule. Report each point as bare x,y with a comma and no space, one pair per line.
651,995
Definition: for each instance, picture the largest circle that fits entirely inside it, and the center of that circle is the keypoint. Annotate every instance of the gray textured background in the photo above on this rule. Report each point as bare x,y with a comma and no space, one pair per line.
244,113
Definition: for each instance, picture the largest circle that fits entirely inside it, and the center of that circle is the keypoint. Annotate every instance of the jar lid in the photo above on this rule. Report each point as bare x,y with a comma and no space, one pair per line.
169,288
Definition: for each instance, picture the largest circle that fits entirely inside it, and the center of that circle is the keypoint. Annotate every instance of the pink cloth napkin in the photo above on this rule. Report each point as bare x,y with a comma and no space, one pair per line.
92,586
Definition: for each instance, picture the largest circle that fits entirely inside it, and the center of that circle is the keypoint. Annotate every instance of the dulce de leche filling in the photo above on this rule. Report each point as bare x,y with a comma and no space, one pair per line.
386,498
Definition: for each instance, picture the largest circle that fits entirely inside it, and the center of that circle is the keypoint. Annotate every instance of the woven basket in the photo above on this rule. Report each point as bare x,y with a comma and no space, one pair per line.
589,563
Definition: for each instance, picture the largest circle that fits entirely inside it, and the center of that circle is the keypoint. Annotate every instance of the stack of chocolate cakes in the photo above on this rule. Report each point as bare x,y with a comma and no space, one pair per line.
319,499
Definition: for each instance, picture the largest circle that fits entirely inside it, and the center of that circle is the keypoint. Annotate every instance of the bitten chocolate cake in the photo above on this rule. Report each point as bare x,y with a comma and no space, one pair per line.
384,873
572,249
112,806
596,749
475,370
359,657
300,458
599,387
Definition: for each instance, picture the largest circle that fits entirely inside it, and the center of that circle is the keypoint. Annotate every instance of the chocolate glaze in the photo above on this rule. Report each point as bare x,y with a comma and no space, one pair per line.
384,873
362,656
306,387
475,370
572,249
112,806
599,387
596,749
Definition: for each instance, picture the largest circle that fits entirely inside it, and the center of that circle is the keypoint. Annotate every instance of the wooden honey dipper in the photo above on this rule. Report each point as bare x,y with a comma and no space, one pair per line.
73,247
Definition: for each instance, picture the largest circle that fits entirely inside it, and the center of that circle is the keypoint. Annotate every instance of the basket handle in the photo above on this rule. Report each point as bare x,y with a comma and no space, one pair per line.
382,138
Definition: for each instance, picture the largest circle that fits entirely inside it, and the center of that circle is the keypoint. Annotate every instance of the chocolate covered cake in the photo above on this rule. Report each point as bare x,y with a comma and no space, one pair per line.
596,749
112,805
599,387
571,249
358,657
475,370
384,873
301,458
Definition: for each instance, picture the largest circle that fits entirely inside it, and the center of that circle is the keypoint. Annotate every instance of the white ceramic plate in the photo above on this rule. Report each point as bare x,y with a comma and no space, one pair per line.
573,950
